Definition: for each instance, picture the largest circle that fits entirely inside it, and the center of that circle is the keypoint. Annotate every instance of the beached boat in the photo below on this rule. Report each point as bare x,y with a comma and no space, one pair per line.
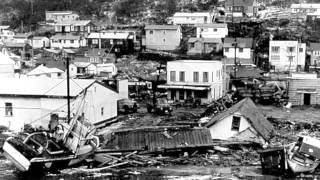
304,155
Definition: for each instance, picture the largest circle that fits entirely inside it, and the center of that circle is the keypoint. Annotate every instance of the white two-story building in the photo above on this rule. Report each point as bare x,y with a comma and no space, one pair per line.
186,18
287,55
212,30
199,79
60,16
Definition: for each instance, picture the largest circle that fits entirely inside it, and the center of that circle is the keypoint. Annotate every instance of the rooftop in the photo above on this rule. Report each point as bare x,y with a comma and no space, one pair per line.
42,87
315,46
205,40
109,35
305,5
43,70
160,27
242,42
67,36
215,25
189,14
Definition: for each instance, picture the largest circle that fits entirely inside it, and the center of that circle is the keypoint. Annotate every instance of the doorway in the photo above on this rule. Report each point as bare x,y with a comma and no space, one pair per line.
306,99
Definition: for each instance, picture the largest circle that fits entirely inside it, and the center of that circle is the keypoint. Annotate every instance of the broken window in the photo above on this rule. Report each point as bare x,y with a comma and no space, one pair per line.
195,76
182,76
275,49
8,109
205,77
172,76
235,123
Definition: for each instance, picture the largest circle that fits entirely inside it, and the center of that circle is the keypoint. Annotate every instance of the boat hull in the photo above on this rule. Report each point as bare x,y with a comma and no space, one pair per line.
297,167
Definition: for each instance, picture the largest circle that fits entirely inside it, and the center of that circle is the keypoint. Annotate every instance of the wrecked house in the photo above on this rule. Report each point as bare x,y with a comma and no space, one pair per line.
243,122
153,139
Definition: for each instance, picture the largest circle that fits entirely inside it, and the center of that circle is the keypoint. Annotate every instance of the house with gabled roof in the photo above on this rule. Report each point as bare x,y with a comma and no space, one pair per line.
241,48
43,71
242,122
40,42
204,45
67,41
240,8
192,18
34,100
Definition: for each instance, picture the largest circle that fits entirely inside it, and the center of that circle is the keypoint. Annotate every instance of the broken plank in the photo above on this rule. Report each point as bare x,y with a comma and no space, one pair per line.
104,168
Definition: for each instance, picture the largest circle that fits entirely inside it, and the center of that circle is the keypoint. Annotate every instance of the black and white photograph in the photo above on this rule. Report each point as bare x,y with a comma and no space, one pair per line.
159,89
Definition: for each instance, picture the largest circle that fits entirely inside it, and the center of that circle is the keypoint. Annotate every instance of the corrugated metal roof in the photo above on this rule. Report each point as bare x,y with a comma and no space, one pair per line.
156,138
42,86
162,27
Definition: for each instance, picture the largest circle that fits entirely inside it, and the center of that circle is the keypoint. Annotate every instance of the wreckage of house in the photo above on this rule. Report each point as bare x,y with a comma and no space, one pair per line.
243,122
154,139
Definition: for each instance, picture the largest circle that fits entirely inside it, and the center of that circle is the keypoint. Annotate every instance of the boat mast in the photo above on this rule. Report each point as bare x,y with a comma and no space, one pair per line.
68,87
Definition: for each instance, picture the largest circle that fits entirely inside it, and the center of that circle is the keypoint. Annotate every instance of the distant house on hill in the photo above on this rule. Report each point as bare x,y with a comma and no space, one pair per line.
163,37
204,45
244,121
60,16
40,42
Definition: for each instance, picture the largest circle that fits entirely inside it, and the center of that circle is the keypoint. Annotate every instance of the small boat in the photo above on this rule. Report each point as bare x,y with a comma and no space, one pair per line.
304,155
40,149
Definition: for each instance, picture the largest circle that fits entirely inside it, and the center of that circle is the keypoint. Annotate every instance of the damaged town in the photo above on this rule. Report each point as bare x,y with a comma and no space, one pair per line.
150,89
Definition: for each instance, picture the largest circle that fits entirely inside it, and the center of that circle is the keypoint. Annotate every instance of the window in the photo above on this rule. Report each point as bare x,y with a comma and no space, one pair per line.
215,30
191,45
182,76
195,76
8,109
235,123
300,49
111,41
71,41
240,50
205,77
164,40
290,49
119,42
150,32
226,49
172,76
275,49
102,111
290,58
164,31
95,41
205,29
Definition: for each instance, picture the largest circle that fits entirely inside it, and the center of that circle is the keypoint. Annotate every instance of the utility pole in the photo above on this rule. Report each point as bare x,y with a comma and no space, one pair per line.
68,87
235,42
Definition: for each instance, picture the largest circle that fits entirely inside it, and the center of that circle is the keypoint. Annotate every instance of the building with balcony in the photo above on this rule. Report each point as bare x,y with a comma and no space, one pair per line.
198,79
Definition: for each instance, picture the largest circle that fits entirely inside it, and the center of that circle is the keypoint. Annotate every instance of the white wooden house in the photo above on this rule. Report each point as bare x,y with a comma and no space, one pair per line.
34,100
244,121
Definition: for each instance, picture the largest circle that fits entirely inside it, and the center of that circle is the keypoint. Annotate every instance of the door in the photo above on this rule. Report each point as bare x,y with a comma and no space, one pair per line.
306,99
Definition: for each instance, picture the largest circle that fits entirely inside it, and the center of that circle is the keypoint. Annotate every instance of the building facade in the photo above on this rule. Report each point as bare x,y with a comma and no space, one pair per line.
46,96
243,49
199,79
163,37
184,18
67,41
212,30
287,55
60,16
204,45
239,8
